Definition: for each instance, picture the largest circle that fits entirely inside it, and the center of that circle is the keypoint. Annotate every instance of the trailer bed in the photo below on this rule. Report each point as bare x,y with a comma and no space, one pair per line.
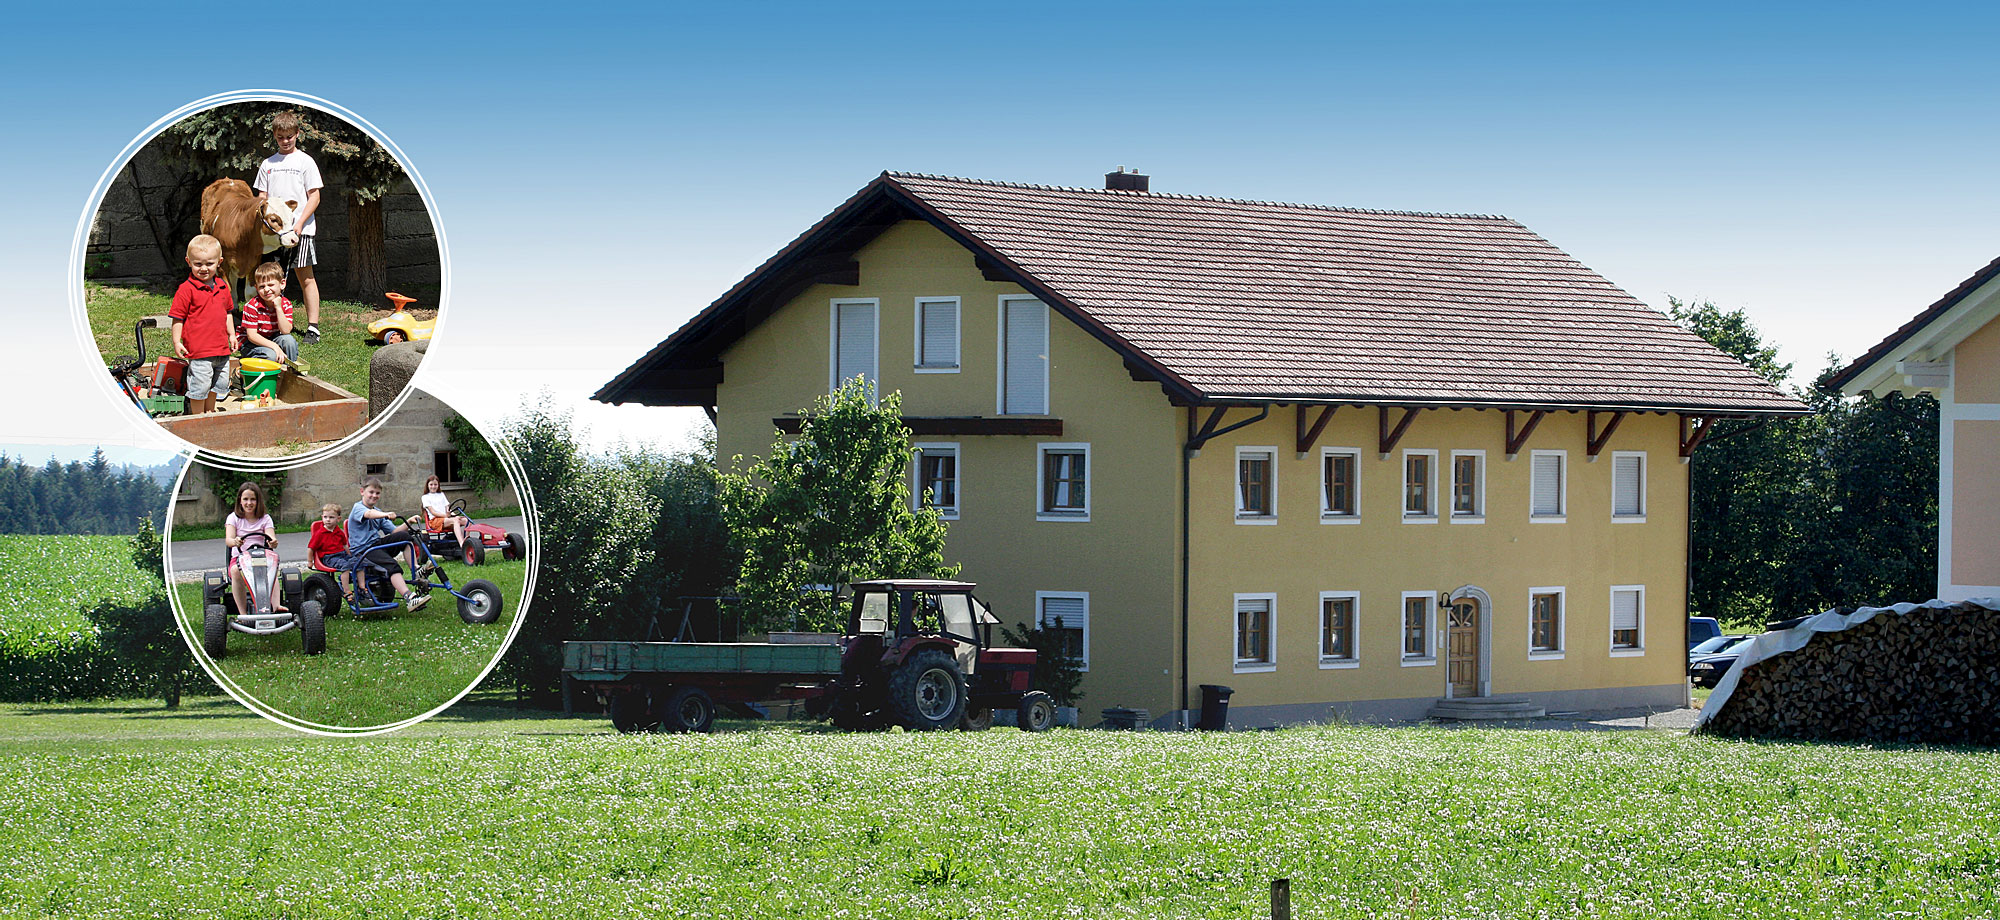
618,661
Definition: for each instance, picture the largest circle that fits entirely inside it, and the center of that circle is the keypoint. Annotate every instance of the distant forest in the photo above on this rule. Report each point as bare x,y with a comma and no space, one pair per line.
91,496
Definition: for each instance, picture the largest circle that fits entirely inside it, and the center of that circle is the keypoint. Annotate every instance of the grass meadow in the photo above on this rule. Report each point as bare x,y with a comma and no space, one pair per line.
124,810
377,669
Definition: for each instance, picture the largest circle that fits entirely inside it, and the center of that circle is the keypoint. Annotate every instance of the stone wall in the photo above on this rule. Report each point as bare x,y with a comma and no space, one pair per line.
123,251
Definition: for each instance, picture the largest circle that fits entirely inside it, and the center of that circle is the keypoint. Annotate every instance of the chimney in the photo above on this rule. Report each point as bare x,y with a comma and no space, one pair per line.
1126,181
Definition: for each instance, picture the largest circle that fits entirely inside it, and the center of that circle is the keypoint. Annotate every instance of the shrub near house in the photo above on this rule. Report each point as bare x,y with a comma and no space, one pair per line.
1326,456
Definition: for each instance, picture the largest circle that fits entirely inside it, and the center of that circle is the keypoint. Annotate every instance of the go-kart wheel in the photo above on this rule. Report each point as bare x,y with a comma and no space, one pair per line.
323,590
393,336
475,551
312,627
482,603
293,588
631,711
215,631
515,548
686,709
1037,712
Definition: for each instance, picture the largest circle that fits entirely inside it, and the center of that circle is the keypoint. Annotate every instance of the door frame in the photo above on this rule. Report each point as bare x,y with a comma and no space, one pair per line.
1484,666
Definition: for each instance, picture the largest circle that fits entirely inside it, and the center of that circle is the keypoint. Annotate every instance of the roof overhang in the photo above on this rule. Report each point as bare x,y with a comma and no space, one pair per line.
1916,358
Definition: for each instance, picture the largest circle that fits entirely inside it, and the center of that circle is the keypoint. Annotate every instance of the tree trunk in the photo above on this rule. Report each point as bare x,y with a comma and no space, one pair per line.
172,696
367,251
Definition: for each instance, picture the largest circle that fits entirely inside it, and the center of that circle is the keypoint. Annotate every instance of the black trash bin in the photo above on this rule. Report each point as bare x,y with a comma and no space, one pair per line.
1214,708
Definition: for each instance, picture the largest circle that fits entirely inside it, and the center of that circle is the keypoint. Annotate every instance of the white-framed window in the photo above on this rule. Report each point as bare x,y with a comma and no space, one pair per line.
937,335
1067,612
1339,629
1420,486
1628,486
855,333
1339,485
1024,356
936,474
1546,623
1548,486
1419,625
1628,620
1468,487
1256,485
1062,482
1256,647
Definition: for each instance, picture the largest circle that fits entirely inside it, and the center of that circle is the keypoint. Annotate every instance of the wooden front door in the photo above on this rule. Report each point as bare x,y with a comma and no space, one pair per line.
1461,663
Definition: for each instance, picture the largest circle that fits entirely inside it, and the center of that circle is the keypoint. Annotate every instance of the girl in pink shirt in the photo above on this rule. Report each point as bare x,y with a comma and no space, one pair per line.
250,516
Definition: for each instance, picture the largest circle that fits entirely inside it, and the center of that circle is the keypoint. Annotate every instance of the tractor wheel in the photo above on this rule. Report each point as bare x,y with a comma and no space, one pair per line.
1037,712
215,631
927,693
393,336
312,627
631,711
474,551
977,720
483,602
516,548
686,709
322,589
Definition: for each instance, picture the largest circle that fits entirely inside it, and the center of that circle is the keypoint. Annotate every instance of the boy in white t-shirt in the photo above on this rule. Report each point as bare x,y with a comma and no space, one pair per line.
291,175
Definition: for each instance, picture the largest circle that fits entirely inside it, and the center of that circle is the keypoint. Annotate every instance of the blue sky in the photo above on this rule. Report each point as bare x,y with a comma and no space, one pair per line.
602,174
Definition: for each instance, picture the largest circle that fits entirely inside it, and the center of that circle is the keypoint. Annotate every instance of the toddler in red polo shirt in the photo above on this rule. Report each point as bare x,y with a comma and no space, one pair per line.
203,328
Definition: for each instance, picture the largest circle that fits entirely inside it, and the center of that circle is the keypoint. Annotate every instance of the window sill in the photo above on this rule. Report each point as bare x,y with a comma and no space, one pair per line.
1257,519
920,369
1419,518
1419,662
1628,519
1468,519
1073,516
1339,518
1545,656
944,515
1339,664
1628,653
1254,668
1548,519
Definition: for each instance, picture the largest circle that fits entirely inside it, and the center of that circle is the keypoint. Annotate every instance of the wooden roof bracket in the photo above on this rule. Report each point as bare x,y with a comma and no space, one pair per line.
1386,437
1694,430
1208,430
1517,437
712,420
1308,435
1596,438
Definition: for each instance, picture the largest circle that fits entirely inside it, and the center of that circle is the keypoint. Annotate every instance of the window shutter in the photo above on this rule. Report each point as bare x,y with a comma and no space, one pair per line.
1627,493
940,342
854,345
1624,610
1026,359
1548,484
1067,609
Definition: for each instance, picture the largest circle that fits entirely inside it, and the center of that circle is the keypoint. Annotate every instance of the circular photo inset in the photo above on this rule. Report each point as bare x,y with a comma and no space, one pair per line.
362,592
246,265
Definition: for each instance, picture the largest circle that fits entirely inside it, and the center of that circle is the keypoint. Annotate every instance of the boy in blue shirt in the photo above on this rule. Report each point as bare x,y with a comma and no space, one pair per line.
375,529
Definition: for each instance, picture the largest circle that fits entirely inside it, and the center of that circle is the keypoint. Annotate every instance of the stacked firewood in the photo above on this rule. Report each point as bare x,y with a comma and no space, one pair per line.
1928,676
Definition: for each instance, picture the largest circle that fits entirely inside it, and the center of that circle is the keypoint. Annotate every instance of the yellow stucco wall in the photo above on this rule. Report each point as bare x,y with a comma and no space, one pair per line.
1381,557
1975,502
1124,556
1976,367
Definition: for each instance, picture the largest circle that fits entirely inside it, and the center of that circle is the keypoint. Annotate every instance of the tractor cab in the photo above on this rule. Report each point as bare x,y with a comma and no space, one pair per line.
893,617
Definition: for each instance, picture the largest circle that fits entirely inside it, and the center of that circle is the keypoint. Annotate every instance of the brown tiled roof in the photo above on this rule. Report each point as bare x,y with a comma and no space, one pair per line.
1914,326
1227,300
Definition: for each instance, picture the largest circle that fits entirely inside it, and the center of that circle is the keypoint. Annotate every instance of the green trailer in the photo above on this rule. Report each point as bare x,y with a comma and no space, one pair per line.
675,686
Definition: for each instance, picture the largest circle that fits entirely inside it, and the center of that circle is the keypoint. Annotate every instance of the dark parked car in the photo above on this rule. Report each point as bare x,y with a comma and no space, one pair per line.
1707,665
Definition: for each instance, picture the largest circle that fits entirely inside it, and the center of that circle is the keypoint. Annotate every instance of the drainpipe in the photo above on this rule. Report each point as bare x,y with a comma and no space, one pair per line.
1186,464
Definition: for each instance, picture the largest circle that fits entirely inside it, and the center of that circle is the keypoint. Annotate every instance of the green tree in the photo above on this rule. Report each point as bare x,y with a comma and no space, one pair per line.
478,465
830,507
143,637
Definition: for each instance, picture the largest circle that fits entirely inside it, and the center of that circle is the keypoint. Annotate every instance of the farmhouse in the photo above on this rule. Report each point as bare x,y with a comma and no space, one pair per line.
1335,459
1952,350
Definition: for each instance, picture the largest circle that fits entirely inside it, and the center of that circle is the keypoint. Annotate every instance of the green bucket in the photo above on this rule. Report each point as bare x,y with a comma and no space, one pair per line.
260,377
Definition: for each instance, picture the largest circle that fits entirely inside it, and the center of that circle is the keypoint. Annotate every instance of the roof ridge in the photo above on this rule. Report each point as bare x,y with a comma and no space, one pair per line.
1130,193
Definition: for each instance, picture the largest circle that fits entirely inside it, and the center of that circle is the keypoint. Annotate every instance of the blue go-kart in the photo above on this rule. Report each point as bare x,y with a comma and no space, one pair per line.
479,600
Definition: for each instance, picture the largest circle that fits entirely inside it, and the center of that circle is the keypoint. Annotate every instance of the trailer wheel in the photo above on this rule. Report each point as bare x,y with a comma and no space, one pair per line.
215,631
516,548
322,589
687,709
1037,712
482,603
977,720
312,627
631,711
846,715
927,693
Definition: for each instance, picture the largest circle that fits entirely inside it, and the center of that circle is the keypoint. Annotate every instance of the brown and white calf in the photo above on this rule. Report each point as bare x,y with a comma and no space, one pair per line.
247,227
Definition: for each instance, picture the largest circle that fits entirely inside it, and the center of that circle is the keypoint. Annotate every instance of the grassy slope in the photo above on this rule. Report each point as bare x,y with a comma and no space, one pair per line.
126,812
340,358
377,669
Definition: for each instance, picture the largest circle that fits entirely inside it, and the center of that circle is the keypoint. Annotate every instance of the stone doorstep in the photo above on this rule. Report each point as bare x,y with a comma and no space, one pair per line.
1487,708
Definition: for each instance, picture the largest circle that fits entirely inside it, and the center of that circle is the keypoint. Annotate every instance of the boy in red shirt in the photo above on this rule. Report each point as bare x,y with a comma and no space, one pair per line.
329,536
266,329
203,328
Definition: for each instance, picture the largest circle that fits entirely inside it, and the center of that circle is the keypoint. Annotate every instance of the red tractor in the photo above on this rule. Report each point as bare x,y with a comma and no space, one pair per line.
919,653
